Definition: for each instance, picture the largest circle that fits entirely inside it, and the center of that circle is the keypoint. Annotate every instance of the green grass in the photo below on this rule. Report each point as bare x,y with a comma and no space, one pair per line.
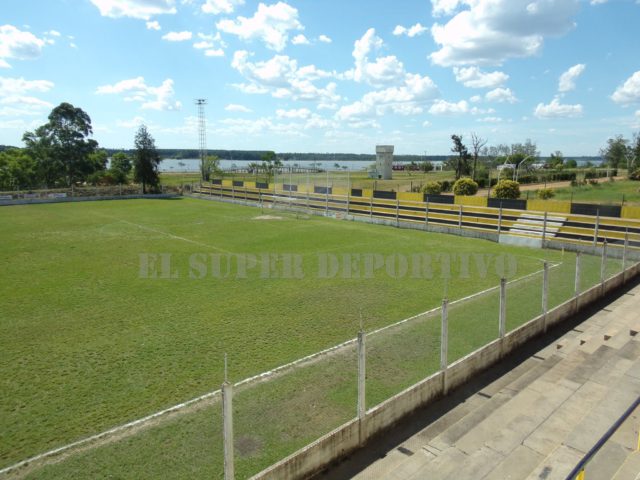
87,344
274,418
606,193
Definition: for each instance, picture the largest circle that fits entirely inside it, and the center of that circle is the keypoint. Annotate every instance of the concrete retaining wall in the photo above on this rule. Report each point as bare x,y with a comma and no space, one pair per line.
355,433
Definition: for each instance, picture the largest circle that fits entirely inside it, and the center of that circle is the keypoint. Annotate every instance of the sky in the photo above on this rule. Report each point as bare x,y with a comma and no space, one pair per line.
327,75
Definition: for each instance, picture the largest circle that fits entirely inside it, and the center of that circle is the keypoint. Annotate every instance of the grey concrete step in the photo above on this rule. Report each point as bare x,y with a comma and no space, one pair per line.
630,469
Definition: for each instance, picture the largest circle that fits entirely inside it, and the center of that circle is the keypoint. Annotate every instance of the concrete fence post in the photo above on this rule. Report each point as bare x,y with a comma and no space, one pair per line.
597,229
362,376
444,344
426,213
500,219
624,254
603,263
348,191
545,293
371,206
227,430
459,216
577,279
544,229
502,326
397,212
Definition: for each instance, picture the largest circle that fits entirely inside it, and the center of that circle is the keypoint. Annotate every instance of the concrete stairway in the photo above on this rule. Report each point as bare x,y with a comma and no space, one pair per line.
531,224
539,420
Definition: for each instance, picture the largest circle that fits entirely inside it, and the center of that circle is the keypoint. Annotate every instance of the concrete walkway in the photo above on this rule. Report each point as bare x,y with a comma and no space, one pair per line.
537,420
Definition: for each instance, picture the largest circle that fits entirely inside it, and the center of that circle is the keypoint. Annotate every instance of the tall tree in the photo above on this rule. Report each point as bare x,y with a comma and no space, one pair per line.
476,144
462,163
615,152
62,147
146,160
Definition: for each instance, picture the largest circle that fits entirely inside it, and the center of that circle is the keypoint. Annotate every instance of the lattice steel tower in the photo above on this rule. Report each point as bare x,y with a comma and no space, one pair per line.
202,130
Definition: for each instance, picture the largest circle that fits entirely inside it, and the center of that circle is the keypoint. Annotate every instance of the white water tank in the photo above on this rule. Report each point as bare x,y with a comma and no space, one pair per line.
384,161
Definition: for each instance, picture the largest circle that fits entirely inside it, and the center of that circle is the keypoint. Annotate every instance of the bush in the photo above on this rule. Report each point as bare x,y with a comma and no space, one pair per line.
507,189
635,175
433,188
546,193
465,186
446,185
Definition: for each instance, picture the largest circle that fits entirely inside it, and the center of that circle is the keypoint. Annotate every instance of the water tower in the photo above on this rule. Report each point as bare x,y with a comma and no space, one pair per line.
384,160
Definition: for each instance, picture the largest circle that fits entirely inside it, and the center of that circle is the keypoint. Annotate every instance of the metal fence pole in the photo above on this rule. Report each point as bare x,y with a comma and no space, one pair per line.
348,190
371,205
500,219
577,279
597,229
362,357
460,216
544,229
503,307
545,293
227,428
603,263
397,212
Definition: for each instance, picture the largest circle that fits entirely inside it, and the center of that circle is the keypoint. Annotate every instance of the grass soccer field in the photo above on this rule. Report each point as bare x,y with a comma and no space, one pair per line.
90,339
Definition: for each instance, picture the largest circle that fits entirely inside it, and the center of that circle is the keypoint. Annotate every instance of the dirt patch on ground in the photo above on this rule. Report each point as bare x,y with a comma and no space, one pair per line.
248,446
267,217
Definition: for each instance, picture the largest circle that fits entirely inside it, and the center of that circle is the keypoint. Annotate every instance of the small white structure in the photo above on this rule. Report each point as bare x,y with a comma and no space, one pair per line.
384,160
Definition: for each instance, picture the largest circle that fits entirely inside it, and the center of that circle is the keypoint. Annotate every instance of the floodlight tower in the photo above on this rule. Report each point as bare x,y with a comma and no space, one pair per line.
202,132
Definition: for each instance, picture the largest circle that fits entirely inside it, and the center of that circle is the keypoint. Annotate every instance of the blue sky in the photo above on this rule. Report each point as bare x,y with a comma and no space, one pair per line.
327,75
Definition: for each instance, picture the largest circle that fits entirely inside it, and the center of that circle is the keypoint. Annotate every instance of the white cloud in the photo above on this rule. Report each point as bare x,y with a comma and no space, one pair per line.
300,39
410,32
557,110
18,86
177,36
488,32
18,44
153,25
490,120
270,24
473,77
53,33
16,99
442,107
302,113
426,123
444,7
133,123
204,44
568,79
407,99
598,2
383,71
220,6
214,52
475,99
142,9
281,77
629,92
501,95
151,98
324,39
233,107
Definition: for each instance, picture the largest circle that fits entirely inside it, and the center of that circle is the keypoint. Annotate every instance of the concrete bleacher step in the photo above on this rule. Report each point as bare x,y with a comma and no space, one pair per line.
630,469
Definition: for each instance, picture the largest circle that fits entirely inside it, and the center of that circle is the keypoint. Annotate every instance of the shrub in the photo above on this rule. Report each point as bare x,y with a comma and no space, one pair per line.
593,182
446,185
507,189
465,186
546,193
635,175
433,188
